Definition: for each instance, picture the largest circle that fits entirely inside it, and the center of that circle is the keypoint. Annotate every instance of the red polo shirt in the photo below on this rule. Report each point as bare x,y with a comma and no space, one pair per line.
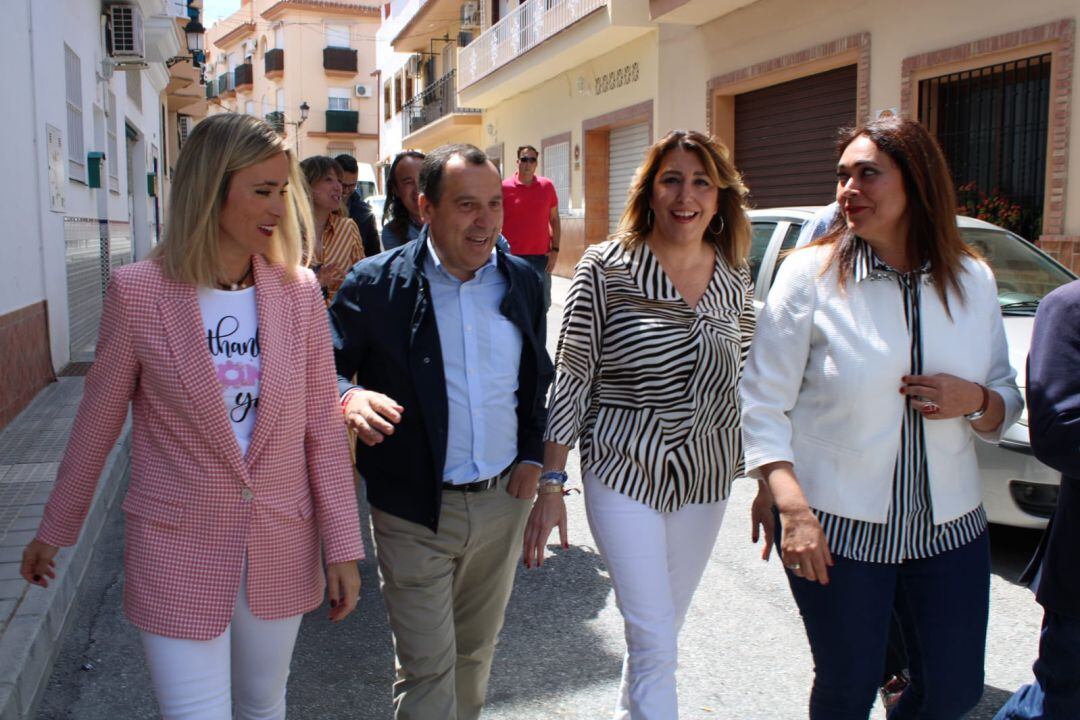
527,214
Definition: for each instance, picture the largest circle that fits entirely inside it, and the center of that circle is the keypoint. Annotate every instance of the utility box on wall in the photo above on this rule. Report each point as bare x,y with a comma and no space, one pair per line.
94,161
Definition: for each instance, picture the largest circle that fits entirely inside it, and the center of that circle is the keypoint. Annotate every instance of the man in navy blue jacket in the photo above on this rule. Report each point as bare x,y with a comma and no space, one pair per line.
442,336
1053,396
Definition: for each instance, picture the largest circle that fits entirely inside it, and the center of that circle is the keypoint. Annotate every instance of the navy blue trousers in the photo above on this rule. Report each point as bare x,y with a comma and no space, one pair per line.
1055,694
942,603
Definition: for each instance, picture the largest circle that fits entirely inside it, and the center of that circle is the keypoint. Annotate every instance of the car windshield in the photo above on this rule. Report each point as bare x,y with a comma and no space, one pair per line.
376,203
1024,275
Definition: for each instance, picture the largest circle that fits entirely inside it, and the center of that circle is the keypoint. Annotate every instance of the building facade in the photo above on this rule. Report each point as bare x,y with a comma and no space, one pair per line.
593,82
87,152
271,57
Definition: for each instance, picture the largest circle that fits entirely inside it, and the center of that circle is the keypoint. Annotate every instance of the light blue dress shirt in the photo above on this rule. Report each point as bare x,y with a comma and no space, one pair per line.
481,349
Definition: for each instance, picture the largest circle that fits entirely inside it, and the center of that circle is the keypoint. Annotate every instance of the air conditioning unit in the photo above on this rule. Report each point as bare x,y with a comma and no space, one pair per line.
412,67
470,15
125,34
364,91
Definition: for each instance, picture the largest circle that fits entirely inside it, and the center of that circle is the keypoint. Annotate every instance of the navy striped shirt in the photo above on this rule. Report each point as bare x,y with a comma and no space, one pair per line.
909,532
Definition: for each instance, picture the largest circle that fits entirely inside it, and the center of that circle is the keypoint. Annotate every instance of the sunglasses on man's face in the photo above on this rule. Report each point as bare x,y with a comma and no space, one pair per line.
526,159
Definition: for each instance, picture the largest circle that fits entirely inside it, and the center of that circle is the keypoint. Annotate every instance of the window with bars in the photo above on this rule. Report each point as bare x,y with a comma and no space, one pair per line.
992,124
73,95
112,151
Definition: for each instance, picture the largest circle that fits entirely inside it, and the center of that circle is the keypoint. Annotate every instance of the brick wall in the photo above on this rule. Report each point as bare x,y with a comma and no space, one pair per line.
24,345
1064,248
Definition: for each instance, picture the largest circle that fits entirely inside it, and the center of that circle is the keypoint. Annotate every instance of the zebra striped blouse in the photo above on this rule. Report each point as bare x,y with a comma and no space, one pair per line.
908,532
648,384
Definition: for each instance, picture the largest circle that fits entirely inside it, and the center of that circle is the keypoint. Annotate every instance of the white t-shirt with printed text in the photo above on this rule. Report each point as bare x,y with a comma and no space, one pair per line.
231,332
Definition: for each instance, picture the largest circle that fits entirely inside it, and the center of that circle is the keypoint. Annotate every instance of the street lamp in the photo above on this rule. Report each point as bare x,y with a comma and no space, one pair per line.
305,109
194,32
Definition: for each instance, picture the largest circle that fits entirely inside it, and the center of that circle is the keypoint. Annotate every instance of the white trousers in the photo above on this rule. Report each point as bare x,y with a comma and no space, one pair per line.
248,664
656,561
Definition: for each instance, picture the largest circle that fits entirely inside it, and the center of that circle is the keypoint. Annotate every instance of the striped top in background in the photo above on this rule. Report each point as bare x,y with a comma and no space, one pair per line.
908,532
341,249
649,384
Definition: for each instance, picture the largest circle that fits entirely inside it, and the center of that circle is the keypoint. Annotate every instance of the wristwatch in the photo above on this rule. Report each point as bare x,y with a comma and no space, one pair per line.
982,408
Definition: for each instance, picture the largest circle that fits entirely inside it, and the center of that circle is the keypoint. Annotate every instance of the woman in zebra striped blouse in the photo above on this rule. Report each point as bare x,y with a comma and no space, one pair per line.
880,353
656,329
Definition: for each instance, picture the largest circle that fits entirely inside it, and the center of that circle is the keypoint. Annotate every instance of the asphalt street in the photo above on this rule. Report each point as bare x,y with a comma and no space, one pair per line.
743,652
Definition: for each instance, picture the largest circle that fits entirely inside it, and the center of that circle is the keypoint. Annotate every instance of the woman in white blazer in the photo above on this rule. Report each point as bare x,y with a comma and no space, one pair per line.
879,357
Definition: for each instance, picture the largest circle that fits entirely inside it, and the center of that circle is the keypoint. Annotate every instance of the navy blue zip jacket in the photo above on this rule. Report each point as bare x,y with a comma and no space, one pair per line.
385,335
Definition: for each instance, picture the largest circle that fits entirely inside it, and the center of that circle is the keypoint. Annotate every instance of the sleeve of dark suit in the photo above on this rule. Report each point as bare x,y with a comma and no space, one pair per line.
346,333
1053,391
531,438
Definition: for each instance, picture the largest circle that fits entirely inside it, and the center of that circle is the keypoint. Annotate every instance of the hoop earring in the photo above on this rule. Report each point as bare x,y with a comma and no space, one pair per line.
713,230
649,218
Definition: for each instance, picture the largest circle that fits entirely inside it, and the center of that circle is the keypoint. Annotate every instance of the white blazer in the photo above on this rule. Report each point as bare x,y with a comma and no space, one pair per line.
822,385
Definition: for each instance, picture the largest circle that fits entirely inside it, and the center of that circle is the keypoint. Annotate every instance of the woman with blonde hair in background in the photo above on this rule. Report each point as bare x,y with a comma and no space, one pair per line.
656,328
336,245
240,485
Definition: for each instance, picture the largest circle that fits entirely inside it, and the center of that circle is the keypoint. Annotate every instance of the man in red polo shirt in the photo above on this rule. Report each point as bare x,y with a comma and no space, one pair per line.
531,217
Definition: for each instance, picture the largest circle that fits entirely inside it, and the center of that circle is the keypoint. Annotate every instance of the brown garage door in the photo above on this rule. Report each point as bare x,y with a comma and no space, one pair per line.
785,137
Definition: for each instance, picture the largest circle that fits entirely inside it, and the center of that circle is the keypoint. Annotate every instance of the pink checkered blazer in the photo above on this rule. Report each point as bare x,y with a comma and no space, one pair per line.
195,505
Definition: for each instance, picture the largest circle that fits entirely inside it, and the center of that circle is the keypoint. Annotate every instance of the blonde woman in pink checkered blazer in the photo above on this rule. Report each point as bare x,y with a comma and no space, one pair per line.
240,469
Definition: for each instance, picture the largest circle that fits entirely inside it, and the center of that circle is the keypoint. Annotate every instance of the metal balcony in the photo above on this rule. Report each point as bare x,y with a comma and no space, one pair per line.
274,63
243,77
336,59
342,121
523,28
276,120
435,101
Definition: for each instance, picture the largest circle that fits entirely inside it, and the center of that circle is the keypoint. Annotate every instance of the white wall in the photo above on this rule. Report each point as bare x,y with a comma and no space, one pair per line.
21,280
33,266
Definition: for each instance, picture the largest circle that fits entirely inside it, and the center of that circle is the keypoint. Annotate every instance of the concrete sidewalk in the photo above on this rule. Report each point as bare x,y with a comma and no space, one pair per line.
32,619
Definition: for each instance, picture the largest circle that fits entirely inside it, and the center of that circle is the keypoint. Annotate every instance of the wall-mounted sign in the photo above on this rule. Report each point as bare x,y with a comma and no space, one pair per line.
616,79
57,168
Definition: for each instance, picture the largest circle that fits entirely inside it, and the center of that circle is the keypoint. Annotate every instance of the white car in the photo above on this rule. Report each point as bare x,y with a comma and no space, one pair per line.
1018,490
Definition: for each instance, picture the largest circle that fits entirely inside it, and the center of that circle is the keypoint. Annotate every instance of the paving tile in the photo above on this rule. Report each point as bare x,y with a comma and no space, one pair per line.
12,589
10,571
7,609
31,472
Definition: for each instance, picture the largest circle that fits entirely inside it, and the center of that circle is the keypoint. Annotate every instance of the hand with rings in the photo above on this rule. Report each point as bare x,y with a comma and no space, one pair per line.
803,546
941,396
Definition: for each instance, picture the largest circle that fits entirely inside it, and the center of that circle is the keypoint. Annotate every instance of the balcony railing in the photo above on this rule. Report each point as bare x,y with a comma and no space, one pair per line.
225,83
339,59
211,90
525,27
276,120
243,76
436,101
274,63
342,121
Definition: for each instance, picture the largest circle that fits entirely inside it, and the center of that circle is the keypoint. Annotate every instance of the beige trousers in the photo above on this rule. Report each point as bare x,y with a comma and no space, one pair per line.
446,593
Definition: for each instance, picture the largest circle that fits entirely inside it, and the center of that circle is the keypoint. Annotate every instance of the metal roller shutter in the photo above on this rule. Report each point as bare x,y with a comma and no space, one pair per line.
626,151
785,137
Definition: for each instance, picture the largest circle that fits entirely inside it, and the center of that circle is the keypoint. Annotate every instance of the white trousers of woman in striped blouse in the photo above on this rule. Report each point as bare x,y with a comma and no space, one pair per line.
656,561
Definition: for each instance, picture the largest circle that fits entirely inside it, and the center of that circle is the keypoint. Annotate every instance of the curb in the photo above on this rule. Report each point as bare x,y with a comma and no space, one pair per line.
34,635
